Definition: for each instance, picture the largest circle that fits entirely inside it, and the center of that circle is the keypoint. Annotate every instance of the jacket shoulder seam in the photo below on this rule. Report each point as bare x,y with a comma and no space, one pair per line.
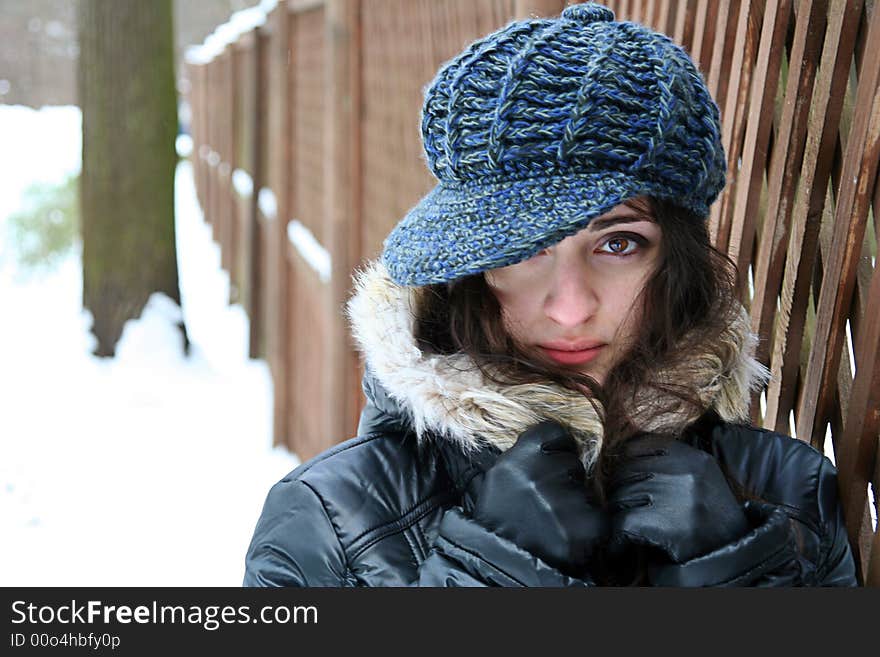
339,449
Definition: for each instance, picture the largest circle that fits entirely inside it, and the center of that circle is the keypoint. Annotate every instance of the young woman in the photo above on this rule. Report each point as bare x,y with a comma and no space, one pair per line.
558,369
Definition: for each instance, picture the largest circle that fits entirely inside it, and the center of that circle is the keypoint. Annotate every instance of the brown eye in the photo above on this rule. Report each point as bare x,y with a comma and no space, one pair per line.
623,245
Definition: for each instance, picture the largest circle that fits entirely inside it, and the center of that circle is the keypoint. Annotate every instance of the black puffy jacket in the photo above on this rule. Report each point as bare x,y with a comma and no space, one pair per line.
391,507
378,510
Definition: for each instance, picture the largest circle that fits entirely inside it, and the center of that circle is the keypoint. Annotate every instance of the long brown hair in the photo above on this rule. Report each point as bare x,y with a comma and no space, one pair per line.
689,300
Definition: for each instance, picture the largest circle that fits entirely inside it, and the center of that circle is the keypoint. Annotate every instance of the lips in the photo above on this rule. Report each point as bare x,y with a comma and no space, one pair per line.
579,345
569,354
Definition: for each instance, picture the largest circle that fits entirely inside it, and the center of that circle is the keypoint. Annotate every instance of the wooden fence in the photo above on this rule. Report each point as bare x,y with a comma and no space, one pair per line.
307,152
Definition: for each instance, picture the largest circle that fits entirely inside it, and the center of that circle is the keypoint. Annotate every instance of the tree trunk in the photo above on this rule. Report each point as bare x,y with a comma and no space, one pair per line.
129,121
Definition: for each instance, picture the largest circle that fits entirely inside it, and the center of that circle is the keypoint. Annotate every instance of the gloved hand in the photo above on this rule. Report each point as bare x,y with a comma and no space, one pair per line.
673,497
535,495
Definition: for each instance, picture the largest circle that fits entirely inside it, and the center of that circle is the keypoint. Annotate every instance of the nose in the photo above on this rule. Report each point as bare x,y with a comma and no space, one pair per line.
572,298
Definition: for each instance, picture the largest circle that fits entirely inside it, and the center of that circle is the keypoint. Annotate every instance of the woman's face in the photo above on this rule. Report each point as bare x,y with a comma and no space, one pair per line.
571,302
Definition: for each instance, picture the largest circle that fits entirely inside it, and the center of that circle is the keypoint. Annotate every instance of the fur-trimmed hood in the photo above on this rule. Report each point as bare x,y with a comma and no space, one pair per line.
448,397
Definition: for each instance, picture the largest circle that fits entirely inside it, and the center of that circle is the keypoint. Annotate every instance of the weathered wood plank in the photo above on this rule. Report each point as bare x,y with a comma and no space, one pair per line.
281,70
757,135
734,115
343,176
664,16
533,8
705,17
684,12
300,6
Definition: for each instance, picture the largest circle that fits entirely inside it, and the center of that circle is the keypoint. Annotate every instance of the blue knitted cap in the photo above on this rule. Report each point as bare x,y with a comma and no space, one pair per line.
539,127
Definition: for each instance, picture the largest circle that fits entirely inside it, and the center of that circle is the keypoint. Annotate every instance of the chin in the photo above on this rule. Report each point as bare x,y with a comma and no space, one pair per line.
597,373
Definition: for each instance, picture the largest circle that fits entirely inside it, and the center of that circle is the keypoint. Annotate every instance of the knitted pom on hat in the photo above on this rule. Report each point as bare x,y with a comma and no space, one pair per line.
537,128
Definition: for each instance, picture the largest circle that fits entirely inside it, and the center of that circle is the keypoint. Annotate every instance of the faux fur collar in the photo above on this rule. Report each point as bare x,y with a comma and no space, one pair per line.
448,397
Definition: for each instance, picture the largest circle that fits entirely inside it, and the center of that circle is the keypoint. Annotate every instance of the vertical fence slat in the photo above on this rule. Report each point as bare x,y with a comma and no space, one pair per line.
665,16
683,31
704,35
235,163
296,275
636,11
278,179
305,236
342,176
257,341
227,162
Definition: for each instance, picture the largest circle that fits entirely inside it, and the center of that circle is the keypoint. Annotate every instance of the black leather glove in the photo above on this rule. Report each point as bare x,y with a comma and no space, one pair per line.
535,495
672,497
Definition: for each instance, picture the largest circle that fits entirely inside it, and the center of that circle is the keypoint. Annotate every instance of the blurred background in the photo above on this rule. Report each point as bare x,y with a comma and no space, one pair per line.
187,187
131,452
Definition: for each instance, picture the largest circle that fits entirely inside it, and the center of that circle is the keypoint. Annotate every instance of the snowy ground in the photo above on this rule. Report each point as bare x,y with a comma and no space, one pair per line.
149,469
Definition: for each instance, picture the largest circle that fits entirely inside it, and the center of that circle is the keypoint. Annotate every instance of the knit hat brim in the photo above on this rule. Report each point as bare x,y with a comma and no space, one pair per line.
447,234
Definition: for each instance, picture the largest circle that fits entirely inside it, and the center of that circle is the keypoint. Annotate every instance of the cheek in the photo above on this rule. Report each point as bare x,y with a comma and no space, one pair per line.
519,298
625,310
517,314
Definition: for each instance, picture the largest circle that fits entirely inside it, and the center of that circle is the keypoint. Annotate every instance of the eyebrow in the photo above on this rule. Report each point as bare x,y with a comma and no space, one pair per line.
599,224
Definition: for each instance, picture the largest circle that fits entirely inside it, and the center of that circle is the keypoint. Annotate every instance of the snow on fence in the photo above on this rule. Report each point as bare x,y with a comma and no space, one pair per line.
317,102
